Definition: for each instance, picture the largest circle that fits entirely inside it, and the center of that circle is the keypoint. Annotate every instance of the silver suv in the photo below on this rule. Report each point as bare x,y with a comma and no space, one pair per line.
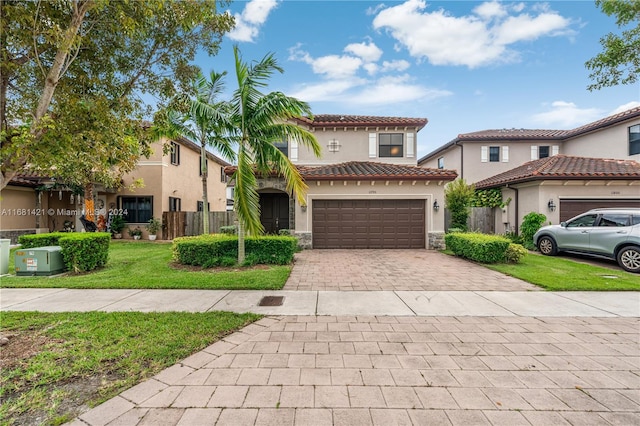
612,233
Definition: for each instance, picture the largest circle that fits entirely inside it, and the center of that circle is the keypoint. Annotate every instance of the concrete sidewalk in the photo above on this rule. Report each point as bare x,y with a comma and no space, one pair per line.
374,303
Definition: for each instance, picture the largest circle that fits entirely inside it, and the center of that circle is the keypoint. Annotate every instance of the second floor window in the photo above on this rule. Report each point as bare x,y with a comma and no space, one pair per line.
390,145
441,163
543,151
634,139
175,153
494,154
283,146
200,206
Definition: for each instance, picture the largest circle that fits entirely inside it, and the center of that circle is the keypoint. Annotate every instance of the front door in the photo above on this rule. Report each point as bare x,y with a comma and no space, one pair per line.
274,212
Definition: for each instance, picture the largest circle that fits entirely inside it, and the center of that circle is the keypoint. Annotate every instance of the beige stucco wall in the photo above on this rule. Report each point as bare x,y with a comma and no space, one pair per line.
612,142
17,205
519,153
379,190
354,146
534,197
452,157
163,180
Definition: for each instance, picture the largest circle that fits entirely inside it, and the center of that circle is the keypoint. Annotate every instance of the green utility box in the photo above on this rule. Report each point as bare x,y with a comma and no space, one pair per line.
40,261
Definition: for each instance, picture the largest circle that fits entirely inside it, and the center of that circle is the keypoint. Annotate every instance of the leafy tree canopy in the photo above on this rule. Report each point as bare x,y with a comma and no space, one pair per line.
75,76
619,62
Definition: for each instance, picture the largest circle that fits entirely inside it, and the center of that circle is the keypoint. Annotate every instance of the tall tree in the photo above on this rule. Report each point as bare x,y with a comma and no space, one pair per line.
58,57
261,120
203,119
619,62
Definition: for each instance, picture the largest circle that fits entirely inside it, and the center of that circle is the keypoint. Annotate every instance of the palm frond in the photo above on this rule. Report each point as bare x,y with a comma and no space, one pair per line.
247,200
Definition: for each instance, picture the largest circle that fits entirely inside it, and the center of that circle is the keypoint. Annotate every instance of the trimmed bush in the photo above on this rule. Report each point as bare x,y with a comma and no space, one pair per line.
229,230
530,225
84,252
481,248
81,252
515,253
41,240
219,249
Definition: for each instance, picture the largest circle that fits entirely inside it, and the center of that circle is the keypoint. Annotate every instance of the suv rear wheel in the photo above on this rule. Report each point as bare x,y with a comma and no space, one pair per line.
547,246
629,259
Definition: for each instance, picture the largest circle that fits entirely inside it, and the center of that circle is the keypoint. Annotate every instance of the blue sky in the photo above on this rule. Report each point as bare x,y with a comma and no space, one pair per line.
464,65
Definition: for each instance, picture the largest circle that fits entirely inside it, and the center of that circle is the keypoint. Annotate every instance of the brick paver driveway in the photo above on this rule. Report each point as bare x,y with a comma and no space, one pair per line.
428,270
398,371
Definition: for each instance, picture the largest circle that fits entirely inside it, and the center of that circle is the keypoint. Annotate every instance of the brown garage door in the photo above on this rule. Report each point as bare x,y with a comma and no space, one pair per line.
368,223
571,208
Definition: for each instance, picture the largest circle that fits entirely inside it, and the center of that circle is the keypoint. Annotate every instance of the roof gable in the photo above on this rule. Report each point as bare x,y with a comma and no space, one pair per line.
365,170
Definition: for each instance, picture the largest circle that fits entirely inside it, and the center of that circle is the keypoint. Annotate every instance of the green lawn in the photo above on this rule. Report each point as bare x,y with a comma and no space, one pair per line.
57,363
564,274
143,264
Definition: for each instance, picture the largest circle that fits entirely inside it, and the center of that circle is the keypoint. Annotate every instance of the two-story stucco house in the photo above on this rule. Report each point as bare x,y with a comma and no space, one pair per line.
365,191
556,172
171,182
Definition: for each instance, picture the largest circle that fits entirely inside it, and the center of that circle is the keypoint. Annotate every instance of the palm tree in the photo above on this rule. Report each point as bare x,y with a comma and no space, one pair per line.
260,120
202,119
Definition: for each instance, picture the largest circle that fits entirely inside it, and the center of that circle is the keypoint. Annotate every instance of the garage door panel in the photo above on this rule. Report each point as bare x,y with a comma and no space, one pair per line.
368,223
571,208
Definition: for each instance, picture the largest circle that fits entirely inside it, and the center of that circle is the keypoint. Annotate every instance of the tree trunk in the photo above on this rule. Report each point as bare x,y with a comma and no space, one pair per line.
241,254
205,197
89,208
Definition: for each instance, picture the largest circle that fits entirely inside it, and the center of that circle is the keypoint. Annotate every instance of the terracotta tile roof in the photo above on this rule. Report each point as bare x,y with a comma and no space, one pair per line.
365,170
30,179
338,120
565,167
535,134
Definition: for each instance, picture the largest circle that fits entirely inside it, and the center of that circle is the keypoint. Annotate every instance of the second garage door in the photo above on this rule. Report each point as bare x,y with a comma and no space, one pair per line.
368,224
571,208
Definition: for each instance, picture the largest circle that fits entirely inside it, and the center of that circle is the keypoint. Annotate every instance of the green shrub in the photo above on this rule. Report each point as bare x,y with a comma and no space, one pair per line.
458,198
41,240
455,230
481,248
513,237
217,249
229,230
530,225
284,232
515,253
83,252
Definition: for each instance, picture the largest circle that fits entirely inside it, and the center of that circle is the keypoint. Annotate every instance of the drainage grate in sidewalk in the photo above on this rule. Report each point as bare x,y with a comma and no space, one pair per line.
271,301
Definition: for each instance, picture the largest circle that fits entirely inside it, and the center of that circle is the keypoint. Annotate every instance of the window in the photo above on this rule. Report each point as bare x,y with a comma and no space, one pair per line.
201,204
206,164
390,145
137,209
223,176
543,151
283,147
334,145
634,139
175,204
494,154
441,163
586,220
175,153
610,219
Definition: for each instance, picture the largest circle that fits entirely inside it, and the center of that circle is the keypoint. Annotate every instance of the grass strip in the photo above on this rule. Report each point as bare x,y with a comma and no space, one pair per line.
147,265
57,363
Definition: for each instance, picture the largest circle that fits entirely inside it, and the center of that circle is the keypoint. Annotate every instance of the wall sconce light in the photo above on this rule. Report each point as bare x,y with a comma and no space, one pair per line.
303,208
551,205
436,206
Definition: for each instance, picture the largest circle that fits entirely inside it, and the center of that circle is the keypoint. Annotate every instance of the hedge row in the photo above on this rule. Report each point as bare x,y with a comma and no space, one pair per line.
222,250
481,248
81,252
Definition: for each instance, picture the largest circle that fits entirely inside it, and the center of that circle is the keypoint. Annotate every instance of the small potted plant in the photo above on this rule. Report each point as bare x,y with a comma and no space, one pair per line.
136,233
153,226
116,226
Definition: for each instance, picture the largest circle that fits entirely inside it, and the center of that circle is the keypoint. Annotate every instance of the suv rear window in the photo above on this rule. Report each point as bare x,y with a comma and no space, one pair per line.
614,219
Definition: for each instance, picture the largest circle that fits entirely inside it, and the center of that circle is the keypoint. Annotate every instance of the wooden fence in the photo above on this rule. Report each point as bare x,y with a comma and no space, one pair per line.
180,224
481,219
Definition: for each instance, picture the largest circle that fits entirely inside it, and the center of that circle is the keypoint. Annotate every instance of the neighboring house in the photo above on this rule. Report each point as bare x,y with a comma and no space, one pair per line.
564,186
171,182
480,155
365,191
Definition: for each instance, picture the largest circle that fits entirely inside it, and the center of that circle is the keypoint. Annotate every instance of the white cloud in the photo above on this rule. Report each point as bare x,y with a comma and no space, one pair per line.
566,115
368,52
623,108
249,22
479,39
396,65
